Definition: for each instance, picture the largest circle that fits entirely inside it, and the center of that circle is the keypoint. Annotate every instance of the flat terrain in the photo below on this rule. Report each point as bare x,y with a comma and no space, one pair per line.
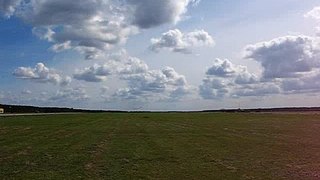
160,146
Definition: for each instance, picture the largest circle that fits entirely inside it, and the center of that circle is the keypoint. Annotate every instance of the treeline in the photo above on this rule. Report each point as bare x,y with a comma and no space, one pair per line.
285,109
12,109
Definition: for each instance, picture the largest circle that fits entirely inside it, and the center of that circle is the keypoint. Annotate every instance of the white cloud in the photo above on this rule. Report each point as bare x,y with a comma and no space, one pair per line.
314,13
70,94
120,64
283,57
131,65
290,62
226,69
93,26
227,80
176,41
213,88
218,88
42,74
223,68
141,82
246,77
154,84
95,73
290,65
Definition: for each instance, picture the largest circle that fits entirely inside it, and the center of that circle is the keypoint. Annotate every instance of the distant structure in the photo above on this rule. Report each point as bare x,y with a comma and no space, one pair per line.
1,110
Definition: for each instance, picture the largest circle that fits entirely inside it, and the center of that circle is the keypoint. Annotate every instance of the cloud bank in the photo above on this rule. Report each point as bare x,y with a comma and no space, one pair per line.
289,64
284,57
42,74
93,26
142,82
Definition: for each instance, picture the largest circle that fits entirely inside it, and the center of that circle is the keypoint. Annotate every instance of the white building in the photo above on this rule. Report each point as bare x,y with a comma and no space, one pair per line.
1,110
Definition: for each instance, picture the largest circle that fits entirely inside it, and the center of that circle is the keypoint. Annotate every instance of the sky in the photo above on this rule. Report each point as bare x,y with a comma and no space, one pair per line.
160,55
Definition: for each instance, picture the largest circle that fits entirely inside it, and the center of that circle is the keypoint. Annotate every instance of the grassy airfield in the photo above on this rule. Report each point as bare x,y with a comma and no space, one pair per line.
161,146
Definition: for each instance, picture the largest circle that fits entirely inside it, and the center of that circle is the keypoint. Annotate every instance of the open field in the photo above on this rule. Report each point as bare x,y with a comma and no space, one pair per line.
161,146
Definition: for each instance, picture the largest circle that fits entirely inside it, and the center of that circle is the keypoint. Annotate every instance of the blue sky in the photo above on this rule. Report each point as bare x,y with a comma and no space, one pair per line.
160,55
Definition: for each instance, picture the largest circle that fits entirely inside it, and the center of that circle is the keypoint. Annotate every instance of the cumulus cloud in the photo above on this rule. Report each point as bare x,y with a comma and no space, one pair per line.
95,73
314,13
120,64
222,68
42,74
284,57
306,84
70,94
127,65
176,41
141,82
81,25
225,79
225,69
156,80
151,13
290,65
289,62
154,84
93,26
212,88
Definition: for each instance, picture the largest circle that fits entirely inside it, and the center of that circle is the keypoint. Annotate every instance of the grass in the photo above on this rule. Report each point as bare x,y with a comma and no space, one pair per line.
160,146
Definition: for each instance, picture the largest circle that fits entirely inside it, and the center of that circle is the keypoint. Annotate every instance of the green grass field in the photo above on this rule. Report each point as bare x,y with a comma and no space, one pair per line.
161,146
